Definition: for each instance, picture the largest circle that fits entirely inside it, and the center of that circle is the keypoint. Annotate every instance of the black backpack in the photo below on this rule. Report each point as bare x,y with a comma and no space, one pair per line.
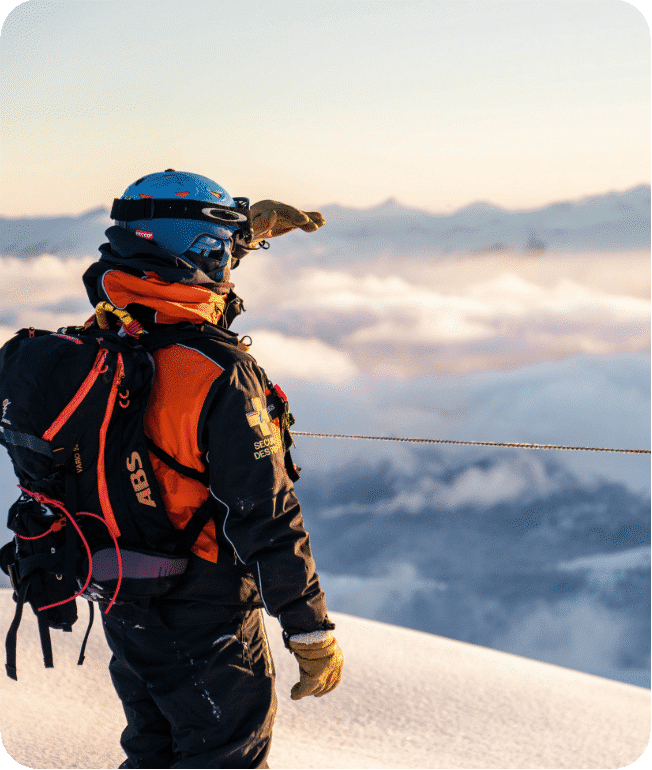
90,520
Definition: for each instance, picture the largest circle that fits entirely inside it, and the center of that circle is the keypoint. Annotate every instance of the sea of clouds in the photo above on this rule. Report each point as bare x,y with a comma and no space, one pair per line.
394,318
543,348
550,348
402,318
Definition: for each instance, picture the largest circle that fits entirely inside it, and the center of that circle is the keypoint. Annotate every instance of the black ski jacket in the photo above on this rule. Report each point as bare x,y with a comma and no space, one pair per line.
213,410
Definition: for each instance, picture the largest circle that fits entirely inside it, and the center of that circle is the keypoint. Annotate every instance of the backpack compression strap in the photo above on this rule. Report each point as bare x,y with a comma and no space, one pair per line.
170,461
36,585
207,510
10,643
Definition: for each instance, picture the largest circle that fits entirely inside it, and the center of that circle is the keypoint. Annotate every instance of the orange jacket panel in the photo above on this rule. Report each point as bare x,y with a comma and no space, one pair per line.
182,381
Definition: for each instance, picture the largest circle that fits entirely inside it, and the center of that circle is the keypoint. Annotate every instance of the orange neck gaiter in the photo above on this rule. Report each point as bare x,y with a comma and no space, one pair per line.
171,302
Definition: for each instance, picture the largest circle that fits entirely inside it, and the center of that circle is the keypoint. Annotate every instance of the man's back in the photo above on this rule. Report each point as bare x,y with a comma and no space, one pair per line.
193,668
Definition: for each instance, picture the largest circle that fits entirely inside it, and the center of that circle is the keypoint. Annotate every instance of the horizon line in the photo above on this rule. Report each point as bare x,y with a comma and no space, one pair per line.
391,200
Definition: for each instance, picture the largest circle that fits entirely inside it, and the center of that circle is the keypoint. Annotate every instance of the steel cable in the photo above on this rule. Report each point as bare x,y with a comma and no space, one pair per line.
473,443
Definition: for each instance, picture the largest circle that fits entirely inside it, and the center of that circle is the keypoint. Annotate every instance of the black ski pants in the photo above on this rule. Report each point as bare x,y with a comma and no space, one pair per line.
198,696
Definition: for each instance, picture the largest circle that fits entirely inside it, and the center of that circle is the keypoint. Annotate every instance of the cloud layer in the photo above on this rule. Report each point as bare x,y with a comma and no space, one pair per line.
393,318
405,319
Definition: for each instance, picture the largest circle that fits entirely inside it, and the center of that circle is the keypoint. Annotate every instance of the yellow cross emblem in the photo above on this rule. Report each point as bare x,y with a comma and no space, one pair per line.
259,417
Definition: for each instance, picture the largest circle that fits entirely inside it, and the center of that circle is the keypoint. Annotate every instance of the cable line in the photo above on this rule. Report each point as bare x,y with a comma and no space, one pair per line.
474,443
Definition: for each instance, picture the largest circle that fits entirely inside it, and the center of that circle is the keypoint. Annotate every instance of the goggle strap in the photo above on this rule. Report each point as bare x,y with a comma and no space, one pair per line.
242,205
154,208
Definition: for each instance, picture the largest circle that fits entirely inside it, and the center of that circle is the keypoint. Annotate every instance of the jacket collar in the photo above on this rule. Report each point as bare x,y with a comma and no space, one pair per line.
157,287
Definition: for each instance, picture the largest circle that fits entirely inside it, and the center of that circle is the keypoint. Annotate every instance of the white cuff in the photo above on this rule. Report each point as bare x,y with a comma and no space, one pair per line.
312,637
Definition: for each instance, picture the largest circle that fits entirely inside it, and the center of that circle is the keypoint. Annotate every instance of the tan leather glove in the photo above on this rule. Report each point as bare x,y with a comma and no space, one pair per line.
272,218
320,666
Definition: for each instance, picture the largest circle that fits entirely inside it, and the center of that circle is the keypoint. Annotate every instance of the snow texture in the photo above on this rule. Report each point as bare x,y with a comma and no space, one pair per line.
407,700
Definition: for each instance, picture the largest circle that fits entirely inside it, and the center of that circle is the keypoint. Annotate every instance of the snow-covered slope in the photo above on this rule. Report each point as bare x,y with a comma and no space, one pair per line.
407,699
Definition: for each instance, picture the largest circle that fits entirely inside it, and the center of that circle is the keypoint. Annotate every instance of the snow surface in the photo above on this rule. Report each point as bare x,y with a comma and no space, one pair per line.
407,700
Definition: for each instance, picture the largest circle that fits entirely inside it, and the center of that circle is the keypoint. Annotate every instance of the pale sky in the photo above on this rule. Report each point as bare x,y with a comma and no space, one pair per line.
437,104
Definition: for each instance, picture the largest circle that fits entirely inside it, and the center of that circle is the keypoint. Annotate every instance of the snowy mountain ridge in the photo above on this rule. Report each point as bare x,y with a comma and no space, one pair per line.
614,220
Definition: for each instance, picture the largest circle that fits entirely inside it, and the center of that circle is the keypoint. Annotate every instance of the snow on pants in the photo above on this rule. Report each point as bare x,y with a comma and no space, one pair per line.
198,696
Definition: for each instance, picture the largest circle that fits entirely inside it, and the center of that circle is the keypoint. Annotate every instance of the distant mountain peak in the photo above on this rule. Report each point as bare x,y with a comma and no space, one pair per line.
100,211
390,203
480,208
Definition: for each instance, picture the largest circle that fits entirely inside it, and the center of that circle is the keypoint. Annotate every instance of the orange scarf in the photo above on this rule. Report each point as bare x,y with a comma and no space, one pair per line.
172,302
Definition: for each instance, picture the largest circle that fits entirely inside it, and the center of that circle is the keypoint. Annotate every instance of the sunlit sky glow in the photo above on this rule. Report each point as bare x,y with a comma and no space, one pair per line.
437,104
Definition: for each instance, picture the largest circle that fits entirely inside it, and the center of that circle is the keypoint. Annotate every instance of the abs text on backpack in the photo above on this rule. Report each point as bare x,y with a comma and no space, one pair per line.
90,520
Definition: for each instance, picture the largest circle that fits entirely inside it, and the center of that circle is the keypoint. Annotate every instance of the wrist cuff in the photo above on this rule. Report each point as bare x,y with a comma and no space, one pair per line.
312,637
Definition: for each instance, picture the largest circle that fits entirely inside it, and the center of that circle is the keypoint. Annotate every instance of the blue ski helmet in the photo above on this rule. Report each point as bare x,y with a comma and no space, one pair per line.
185,215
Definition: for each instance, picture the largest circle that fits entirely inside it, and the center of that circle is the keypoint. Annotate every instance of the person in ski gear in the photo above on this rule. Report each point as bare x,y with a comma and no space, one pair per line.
193,668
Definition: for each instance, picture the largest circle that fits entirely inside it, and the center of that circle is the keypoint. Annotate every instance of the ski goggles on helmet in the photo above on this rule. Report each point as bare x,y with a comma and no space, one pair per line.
238,217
